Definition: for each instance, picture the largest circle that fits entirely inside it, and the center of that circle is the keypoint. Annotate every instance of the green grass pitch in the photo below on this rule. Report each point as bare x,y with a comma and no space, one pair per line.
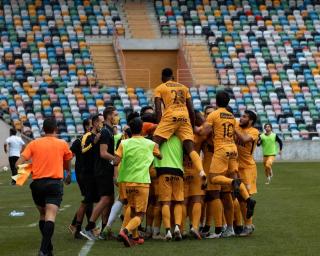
286,218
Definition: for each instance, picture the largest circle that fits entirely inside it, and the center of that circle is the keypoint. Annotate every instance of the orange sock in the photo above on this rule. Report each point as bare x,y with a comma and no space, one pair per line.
133,223
166,215
228,208
196,215
237,212
244,192
184,218
178,214
157,216
243,207
221,180
135,233
196,161
217,210
127,216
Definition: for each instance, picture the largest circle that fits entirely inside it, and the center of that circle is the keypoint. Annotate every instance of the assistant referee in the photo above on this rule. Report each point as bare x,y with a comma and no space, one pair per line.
49,156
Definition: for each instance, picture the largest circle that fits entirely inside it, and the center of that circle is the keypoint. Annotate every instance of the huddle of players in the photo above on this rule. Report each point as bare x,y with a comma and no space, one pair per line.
217,186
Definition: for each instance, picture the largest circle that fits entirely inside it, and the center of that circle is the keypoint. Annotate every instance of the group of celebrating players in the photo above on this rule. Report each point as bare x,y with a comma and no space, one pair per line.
169,164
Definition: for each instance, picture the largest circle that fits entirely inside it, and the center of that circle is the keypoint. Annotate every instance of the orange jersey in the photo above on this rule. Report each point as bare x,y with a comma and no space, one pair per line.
48,155
245,150
174,97
223,125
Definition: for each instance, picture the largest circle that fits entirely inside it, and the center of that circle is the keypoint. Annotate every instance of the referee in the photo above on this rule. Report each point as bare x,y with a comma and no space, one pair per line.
49,156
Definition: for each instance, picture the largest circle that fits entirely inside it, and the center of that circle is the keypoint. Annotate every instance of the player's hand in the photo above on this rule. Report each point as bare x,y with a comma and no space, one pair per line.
116,161
67,179
204,180
196,130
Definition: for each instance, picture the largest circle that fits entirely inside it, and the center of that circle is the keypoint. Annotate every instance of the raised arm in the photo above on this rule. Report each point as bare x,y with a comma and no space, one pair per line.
190,108
157,104
243,137
280,142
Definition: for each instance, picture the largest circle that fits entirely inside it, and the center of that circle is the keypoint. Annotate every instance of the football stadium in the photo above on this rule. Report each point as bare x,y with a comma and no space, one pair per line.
173,127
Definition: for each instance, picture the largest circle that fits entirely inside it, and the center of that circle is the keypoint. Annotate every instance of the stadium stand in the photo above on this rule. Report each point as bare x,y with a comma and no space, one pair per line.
268,51
44,56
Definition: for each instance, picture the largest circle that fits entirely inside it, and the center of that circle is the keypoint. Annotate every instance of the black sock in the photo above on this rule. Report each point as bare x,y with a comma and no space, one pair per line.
89,210
91,225
48,230
217,230
206,229
41,225
238,229
78,226
248,200
103,225
74,220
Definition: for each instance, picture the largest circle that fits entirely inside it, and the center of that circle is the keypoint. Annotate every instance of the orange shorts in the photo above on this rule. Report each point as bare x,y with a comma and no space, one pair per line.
179,126
154,187
122,191
268,161
192,185
138,197
224,161
248,176
170,188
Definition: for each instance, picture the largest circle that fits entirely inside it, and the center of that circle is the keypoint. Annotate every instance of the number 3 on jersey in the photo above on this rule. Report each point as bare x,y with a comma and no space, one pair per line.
227,130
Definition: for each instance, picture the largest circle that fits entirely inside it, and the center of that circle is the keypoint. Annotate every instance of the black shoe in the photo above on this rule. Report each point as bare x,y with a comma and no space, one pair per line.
251,203
236,187
13,182
77,235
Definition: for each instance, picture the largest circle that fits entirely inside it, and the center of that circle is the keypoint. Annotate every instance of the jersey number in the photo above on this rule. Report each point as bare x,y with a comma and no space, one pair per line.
227,130
178,97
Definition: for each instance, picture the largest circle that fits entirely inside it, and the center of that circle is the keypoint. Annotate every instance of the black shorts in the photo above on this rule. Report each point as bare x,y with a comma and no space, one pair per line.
105,186
80,180
47,191
90,190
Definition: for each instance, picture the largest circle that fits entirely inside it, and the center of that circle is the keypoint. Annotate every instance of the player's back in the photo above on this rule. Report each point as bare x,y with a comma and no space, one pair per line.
223,125
174,97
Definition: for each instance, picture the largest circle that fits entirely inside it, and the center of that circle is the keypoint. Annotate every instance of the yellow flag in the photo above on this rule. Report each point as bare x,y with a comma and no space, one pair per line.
24,171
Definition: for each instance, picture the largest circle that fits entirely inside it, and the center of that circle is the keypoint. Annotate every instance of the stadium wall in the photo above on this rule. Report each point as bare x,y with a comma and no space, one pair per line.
138,62
296,151
4,134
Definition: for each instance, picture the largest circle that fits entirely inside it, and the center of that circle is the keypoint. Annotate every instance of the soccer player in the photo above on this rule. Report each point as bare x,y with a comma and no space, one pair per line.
77,152
170,176
224,166
246,140
16,146
49,156
137,155
104,173
178,116
193,189
268,142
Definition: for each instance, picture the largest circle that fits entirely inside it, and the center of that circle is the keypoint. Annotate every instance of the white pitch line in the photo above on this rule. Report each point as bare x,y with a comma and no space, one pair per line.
32,225
87,247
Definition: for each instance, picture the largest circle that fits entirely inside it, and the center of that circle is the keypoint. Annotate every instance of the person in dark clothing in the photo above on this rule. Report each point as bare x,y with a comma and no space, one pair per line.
79,166
104,173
